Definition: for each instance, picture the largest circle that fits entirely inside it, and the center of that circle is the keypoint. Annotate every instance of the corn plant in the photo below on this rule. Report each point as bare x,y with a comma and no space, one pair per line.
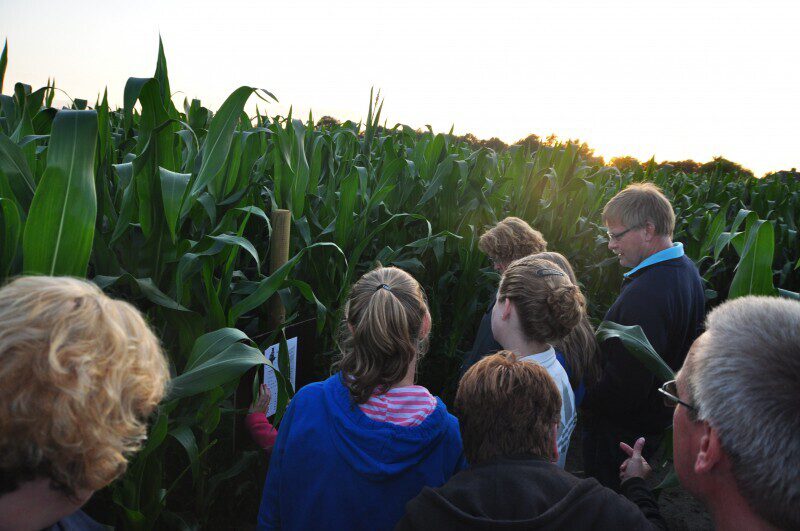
169,207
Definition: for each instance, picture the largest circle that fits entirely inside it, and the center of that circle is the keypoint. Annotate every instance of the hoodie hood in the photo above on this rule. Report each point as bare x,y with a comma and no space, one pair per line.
379,451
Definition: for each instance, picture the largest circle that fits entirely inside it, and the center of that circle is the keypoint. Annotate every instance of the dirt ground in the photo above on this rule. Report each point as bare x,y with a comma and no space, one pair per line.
681,511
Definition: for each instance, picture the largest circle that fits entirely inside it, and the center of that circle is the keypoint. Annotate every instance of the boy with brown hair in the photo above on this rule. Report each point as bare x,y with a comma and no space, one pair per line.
508,413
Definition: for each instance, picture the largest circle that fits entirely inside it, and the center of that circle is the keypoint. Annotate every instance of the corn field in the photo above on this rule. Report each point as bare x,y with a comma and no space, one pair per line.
170,208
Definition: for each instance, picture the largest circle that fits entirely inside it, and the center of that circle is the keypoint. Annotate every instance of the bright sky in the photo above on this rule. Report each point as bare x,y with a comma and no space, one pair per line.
676,79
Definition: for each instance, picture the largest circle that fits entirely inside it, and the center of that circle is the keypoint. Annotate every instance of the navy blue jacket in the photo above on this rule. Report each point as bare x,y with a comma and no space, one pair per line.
667,300
333,467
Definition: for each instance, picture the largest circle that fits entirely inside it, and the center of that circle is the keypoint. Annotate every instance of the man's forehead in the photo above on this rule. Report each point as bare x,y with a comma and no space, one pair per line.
612,222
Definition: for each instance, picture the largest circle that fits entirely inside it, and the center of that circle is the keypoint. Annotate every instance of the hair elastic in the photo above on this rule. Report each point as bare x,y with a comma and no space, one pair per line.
384,286
549,273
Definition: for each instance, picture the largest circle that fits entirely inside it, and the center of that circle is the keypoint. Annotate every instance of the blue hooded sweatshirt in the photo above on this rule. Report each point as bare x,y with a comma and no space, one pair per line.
333,467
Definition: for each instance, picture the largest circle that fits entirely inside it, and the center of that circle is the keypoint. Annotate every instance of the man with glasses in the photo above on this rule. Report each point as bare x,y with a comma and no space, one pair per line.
662,293
737,416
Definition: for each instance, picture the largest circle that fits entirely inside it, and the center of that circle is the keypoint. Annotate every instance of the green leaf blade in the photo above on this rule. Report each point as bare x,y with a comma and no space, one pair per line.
60,228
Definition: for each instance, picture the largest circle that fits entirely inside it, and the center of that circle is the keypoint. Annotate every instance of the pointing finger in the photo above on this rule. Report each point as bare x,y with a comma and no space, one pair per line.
637,447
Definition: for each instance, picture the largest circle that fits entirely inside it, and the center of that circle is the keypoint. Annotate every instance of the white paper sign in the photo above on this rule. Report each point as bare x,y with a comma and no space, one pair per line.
269,374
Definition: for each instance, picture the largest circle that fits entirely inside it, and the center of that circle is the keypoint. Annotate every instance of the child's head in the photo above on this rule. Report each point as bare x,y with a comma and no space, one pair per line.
82,372
548,305
387,327
507,407
579,346
510,239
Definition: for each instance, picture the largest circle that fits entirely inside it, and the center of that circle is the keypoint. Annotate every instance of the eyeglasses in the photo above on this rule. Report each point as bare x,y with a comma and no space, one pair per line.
618,236
670,392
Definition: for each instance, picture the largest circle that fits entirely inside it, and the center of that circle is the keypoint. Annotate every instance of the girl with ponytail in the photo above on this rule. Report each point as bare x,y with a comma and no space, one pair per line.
354,449
537,305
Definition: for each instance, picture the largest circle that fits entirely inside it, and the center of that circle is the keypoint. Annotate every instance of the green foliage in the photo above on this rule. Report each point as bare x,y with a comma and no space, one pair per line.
637,344
59,231
168,208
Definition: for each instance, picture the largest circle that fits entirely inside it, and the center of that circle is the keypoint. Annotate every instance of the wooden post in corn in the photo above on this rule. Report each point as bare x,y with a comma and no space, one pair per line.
278,256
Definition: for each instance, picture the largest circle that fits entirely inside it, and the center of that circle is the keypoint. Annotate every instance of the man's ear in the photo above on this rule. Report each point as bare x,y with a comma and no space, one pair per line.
649,231
710,454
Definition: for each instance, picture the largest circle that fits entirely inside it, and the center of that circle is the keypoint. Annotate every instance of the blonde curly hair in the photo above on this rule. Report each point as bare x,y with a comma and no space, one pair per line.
81,373
510,240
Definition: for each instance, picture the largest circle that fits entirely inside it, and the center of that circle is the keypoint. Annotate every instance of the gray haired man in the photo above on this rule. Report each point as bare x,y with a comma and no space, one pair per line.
737,415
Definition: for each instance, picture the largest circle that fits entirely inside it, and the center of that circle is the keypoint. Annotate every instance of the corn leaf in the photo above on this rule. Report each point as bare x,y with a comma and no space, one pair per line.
226,366
3,63
60,227
638,346
10,230
219,138
754,270
209,345
173,188
15,172
184,435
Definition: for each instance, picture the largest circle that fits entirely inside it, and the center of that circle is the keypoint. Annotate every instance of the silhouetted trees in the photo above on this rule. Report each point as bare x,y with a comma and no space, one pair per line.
327,122
626,163
723,166
686,166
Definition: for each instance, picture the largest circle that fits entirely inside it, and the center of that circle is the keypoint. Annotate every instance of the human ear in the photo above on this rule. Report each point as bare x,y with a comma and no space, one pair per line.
425,329
506,308
649,231
710,452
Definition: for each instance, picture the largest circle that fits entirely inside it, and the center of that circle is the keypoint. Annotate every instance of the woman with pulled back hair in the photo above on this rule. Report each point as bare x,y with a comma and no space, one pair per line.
354,449
578,351
537,305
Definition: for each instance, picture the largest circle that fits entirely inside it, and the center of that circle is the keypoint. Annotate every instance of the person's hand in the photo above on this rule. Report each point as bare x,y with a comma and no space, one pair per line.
635,465
261,403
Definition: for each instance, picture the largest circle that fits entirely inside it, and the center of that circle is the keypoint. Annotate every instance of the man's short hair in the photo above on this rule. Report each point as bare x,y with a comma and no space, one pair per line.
507,407
510,240
80,374
744,379
639,203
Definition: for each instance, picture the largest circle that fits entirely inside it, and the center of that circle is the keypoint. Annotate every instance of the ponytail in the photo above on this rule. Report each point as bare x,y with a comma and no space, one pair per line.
381,337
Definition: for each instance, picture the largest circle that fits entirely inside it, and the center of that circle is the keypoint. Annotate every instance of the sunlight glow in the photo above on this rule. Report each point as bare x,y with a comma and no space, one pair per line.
671,79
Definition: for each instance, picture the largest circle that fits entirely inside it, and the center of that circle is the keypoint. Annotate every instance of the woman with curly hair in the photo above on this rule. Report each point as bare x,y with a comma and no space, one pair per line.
352,450
536,305
511,239
80,374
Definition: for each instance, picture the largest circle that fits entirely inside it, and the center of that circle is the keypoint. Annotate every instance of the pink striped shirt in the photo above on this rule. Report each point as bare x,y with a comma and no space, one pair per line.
404,406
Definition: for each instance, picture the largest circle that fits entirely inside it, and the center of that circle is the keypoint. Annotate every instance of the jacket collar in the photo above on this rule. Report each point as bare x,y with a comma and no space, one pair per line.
676,251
